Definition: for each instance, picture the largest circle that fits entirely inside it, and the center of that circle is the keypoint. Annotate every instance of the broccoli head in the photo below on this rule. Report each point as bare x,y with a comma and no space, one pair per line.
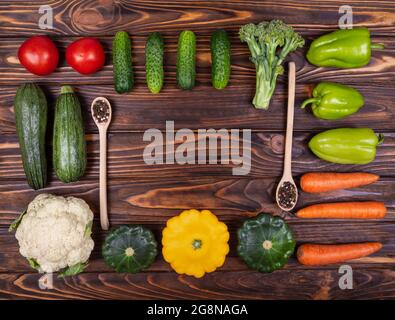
269,44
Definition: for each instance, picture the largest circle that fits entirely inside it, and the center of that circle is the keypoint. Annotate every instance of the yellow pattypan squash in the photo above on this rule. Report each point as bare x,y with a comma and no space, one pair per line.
195,242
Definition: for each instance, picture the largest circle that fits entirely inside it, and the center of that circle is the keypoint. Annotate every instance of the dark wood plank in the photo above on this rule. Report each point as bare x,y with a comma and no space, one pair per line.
151,194
106,17
126,158
156,200
284,284
228,109
14,262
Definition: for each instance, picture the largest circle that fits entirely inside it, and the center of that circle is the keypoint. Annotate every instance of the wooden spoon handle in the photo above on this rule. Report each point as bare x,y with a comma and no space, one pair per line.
103,180
290,119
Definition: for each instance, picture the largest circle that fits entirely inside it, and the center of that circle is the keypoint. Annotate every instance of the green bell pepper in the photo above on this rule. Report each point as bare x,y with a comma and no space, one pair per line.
346,145
345,48
333,101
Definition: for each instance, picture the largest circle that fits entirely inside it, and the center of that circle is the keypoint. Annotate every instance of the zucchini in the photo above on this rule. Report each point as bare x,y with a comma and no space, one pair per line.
69,145
122,62
31,112
154,62
186,60
220,59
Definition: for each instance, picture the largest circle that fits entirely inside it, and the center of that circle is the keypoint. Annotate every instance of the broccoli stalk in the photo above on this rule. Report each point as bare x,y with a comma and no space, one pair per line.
269,44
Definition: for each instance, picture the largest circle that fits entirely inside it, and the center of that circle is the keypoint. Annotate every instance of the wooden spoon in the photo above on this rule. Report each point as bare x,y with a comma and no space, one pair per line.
101,114
287,182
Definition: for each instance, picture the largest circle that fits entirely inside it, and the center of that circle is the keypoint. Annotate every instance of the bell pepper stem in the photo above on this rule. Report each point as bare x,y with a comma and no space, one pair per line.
381,138
377,46
308,101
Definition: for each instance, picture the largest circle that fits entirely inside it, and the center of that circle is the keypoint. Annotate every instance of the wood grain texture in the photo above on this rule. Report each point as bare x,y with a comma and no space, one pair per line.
382,260
284,284
125,158
156,200
150,195
107,16
228,109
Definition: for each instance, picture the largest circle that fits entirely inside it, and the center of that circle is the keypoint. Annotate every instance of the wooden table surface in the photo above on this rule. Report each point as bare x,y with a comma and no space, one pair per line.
149,195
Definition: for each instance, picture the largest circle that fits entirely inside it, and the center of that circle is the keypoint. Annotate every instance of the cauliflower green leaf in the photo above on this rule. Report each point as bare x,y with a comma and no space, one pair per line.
88,229
34,264
15,224
73,270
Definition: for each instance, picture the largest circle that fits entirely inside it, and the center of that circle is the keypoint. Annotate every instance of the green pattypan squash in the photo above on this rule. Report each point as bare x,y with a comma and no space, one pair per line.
265,243
130,249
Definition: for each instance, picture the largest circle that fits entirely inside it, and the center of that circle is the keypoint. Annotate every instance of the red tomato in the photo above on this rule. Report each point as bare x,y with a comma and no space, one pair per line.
39,55
85,55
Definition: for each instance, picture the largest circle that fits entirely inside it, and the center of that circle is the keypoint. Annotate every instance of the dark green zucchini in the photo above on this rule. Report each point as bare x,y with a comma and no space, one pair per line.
31,123
69,145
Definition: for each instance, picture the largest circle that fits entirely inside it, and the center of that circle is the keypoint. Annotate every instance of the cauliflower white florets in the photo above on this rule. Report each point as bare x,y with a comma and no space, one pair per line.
55,232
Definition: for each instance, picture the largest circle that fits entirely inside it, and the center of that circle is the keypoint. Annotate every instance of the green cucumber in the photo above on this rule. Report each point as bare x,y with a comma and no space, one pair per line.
186,60
154,62
220,59
122,62
31,112
69,145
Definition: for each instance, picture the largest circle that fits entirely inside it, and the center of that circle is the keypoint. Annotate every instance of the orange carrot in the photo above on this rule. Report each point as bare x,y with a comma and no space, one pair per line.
345,210
326,181
321,254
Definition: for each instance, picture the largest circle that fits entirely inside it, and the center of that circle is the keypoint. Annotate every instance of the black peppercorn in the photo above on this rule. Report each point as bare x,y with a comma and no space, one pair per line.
287,195
101,111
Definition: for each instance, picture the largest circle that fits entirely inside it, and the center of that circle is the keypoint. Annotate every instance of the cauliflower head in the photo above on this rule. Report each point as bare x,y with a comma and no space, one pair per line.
55,233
